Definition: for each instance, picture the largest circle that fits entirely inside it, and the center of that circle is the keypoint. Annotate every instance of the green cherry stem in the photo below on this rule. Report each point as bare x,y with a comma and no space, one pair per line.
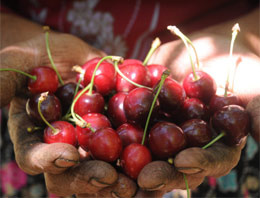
235,30
19,71
176,31
165,74
219,136
187,185
127,79
43,97
155,44
46,29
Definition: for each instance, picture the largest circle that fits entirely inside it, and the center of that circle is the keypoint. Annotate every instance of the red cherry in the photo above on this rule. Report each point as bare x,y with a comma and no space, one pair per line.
171,97
197,132
166,139
89,103
96,121
134,157
136,73
46,80
155,72
130,134
203,88
131,62
105,144
104,80
65,133
115,111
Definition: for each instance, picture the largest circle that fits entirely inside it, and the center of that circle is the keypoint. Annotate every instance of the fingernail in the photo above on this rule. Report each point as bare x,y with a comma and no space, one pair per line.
97,183
114,194
189,170
159,187
64,163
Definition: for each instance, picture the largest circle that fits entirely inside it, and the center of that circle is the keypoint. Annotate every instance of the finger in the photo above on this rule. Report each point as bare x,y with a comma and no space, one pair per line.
87,177
216,160
148,194
32,155
162,176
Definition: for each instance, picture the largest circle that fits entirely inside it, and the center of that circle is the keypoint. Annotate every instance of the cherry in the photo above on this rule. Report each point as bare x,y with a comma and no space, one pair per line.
63,132
130,134
233,121
171,97
202,88
96,121
166,139
197,132
130,62
134,157
105,144
115,111
137,105
50,108
89,103
155,71
136,73
66,93
104,80
194,108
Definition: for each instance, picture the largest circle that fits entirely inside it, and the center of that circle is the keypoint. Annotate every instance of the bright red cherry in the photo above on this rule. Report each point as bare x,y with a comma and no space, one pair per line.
115,111
166,139
65,133
130,134
134,157
155,71
130,62
197,132
104,81
46,80
203,88
96,121
89,103
105,144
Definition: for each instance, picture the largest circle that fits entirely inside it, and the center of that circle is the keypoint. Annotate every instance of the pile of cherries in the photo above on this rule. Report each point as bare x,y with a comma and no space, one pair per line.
128,113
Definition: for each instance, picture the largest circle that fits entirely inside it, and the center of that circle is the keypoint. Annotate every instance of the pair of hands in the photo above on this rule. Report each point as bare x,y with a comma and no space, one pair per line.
67,170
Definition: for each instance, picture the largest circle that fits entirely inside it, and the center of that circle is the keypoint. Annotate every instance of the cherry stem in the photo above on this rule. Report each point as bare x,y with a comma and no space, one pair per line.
235,30
32,129
127,79
41,99
155,44
187,185
19,71
222,134
46,29
176,31
165,74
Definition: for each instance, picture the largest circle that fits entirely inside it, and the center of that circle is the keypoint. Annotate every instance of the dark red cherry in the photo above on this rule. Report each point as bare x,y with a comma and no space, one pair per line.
96,121
194,108
50,108
136,73
233,120
104,81
219,101
65,93
46,80
203,88
197,132
105,144
130,134
115,110
89,103
134,157
166,139
155,71
137,105
171,97
65,133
